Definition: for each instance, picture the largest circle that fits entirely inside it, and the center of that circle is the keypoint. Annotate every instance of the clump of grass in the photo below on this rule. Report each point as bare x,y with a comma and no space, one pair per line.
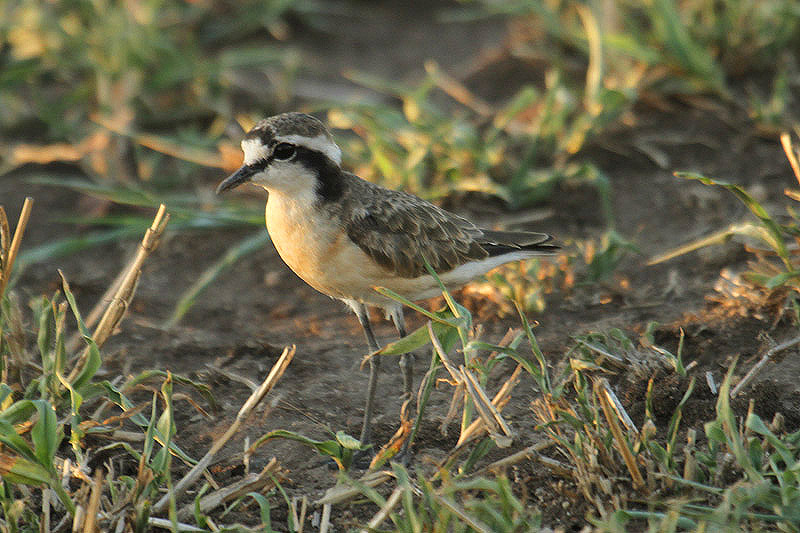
58,418
518,150
108,70
732,476
774,268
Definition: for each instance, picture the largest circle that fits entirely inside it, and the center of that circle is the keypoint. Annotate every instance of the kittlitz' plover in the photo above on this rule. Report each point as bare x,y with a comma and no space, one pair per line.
344,235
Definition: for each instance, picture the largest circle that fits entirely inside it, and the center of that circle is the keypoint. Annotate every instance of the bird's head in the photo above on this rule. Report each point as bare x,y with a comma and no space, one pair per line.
291,153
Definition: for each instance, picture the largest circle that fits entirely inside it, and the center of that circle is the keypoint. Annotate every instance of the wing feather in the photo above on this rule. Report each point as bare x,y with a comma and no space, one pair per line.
397,230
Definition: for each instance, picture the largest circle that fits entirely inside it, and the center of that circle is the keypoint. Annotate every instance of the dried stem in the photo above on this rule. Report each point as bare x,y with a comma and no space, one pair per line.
764,359
616,431
384,511
274,375
253,482
11,254
127,287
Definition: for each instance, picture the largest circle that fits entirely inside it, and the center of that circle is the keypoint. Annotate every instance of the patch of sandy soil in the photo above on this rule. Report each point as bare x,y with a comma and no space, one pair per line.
244,319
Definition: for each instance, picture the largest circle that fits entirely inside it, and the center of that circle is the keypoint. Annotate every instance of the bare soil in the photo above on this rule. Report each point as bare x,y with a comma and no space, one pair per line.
244,319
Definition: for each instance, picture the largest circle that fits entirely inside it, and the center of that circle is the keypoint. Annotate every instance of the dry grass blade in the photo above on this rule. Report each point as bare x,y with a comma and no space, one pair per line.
616,431
340,493
119,303
786,142
437,345
90,525
620,410
154,142
457,90
127,287
712,385
325,523
383,513
163,523
274,375
78,518
10,254
456,509
489,415
482,402
719,237
498,402
252,483
5,240
764,359
531,452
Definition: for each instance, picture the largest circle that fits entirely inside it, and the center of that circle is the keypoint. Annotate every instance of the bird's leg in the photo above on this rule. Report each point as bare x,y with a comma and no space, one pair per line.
407,359
374,364
407,367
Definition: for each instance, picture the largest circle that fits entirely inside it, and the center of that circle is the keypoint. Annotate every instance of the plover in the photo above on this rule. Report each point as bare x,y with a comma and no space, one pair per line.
344,235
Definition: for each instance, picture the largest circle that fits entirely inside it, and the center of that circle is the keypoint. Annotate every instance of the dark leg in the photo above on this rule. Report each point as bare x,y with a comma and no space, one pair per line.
407,359
374,364
407,367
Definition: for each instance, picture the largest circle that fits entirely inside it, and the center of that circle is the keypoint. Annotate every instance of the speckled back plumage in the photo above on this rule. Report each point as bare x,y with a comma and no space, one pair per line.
397,230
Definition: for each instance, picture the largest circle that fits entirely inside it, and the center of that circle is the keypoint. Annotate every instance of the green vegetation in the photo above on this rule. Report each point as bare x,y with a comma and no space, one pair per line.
133,104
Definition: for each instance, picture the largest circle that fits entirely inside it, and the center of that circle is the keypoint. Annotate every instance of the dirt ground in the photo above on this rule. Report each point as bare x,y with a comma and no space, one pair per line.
256,308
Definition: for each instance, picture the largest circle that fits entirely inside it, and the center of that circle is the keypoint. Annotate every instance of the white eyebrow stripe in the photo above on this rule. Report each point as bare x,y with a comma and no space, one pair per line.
254,151
321,143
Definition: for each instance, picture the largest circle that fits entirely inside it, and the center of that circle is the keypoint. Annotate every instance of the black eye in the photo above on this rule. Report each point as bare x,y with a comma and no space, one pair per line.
283,151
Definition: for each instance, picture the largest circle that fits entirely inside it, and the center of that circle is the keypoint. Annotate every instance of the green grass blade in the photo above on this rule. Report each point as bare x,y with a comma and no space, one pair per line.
231,257
45,434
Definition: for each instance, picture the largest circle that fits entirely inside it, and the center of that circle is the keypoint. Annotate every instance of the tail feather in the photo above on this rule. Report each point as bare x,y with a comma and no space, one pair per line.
502,242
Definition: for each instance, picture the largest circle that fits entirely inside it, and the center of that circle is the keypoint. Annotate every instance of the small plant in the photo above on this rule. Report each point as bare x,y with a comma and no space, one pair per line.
773,268
55,422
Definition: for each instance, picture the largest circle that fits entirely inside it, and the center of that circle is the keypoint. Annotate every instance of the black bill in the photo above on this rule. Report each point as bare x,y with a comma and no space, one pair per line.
242,175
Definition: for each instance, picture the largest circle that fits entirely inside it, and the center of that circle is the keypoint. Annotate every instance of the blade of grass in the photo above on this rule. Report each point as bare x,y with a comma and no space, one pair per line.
231,257
10,255
619,439
274,375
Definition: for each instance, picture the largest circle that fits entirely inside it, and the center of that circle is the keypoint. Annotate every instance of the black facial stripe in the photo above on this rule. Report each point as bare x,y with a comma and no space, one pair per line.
330,182
259,165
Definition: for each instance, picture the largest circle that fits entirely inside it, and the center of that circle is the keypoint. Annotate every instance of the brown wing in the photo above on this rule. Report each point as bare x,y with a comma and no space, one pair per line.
397,230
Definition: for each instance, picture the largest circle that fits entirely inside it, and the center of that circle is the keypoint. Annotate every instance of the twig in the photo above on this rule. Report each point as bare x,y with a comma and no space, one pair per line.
253,482
165,523
339,493
763,361
457,510
616,431
712,385
621,412
786,142
526,453
119,303
94,502
122,297
384,511
16,241
94,315
325,523
274,375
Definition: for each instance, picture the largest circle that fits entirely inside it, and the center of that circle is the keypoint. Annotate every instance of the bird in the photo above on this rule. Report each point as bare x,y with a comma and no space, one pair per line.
345,236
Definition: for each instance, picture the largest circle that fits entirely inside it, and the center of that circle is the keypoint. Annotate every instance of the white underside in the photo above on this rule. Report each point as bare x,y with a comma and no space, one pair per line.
424,287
